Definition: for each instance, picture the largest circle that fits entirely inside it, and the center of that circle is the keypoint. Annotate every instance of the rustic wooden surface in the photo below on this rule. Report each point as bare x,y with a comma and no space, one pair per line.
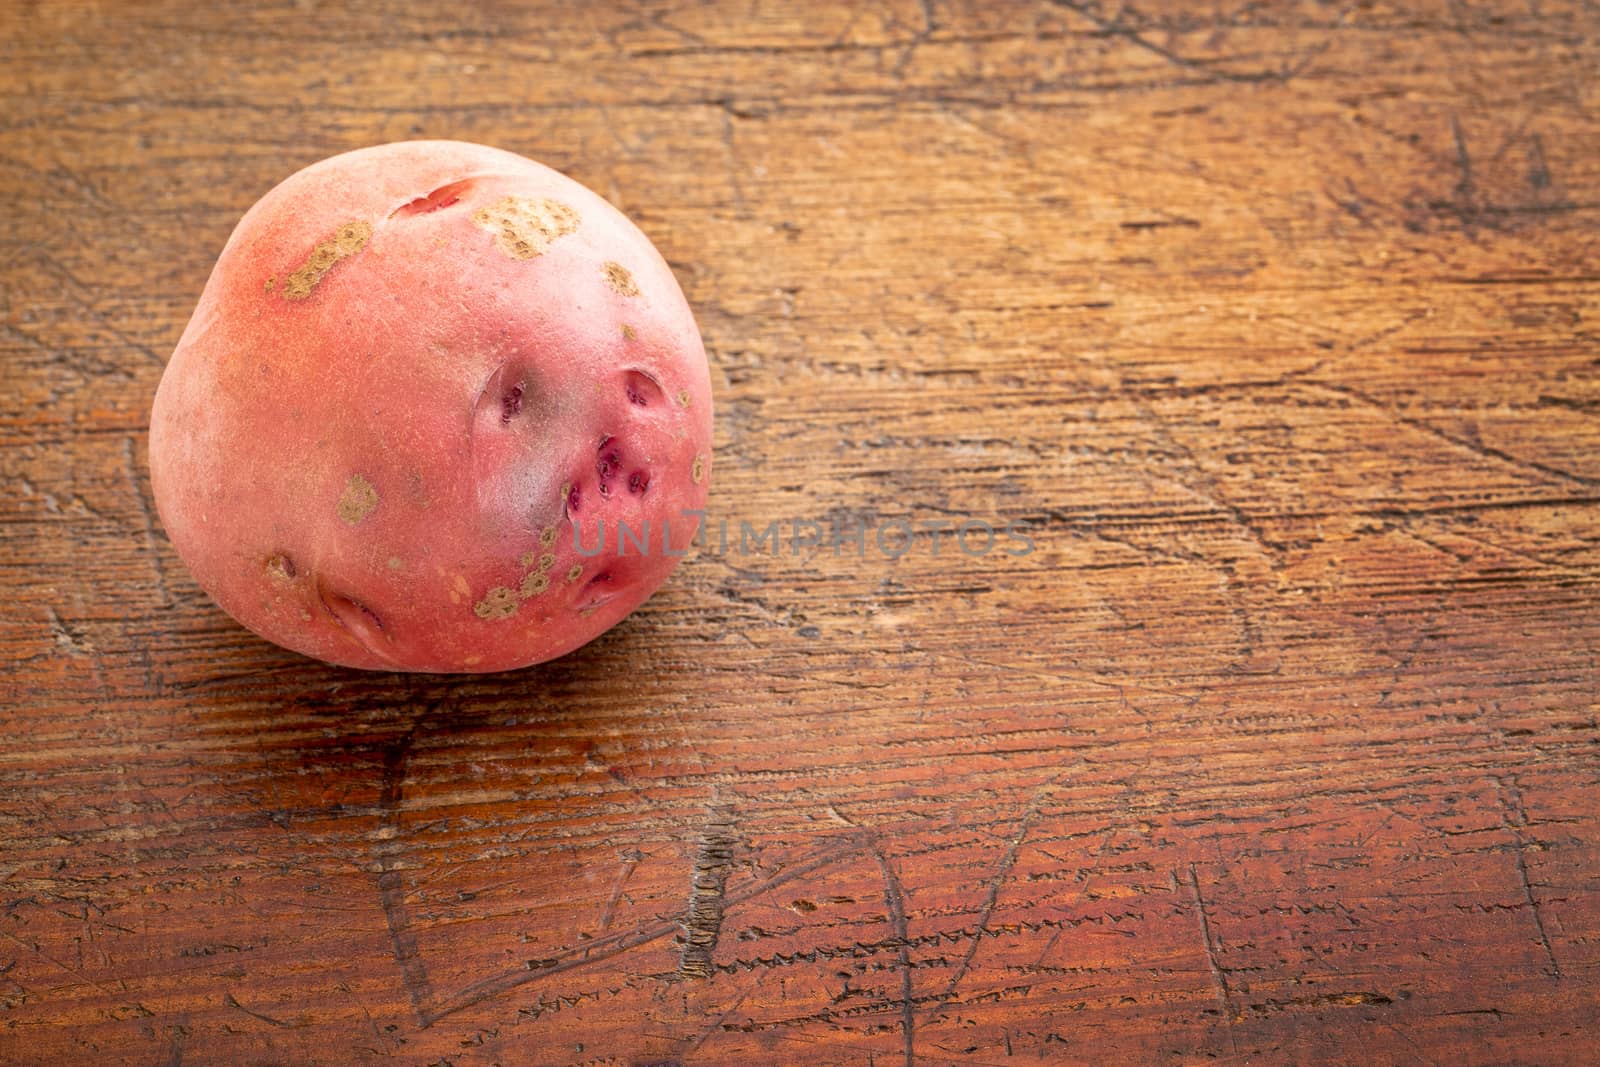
1275,323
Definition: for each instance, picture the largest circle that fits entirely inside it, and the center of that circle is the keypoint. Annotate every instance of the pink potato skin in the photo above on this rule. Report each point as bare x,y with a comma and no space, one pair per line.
413,370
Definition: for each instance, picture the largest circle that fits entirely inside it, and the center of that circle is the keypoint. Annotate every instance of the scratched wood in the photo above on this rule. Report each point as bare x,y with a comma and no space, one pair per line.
1271,325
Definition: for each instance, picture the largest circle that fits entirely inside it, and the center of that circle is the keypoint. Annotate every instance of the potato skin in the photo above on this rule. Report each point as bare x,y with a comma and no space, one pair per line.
415,369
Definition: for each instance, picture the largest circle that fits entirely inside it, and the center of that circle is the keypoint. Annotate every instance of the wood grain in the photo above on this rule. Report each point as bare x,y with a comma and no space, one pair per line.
1272,325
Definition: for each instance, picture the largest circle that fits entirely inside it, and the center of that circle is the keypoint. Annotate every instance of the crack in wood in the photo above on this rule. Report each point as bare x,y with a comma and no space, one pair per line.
702,923
1515,819
230,1001
894,898
1219,974
1115,26
391,880
601,949
1002,870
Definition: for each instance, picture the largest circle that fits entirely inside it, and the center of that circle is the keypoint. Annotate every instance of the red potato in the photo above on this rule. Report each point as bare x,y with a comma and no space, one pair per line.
421,382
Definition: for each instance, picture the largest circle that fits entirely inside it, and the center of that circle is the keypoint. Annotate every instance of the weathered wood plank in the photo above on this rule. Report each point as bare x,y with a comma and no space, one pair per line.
1270,326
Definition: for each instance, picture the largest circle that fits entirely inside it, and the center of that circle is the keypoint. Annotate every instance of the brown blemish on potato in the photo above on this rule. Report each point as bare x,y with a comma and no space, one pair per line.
395,563
534,584
547,537
272,279
497,603
628,332
524,227
358,500
574,572
697,473
621,279
280,568
683,399
349,239
547,561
